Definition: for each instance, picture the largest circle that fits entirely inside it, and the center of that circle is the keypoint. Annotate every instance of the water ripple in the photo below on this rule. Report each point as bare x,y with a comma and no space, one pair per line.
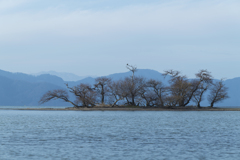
119,135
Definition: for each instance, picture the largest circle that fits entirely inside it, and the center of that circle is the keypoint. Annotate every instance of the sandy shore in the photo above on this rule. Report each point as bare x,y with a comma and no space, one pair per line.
127,109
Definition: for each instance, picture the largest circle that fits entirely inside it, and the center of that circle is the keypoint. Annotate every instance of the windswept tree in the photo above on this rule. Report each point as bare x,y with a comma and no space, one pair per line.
85,95
155,93
218,92
204,79
180,89
56,94
101,86
183,90
204,76
133,86
149,97
198,95
116,91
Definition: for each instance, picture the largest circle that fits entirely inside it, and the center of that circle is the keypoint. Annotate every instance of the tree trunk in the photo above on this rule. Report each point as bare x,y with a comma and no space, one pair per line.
199,101
102,99
116,102
133,103
73,104
198,105
212,103
102,93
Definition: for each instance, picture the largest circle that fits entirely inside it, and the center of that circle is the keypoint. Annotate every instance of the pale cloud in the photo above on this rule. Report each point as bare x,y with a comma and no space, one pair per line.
196,18
10,4
187,35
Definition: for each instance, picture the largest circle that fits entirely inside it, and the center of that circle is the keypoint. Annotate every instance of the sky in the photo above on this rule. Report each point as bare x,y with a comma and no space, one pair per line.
99,37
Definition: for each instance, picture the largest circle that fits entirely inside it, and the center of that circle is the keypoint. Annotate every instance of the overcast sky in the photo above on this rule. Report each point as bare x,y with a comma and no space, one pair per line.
99,37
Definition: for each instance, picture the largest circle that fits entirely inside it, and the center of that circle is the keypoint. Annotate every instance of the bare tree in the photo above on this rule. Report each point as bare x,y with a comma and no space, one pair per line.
159,90
171,101
204,82
181,88
85,95
198,95
204,79
218,92
133,87
149,97
56,94
204,75
117,91
102,87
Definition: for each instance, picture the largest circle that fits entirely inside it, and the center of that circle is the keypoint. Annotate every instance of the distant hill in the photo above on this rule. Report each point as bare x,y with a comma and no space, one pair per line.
20,93
33,79
64,75
233,92
147,73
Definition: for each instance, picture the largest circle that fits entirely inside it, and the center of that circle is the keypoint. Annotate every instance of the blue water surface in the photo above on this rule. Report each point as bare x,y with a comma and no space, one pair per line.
119,135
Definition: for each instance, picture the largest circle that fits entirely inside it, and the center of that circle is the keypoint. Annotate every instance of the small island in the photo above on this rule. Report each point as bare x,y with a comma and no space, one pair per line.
139,93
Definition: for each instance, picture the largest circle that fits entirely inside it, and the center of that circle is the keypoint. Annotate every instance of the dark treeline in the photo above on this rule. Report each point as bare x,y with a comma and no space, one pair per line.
137,91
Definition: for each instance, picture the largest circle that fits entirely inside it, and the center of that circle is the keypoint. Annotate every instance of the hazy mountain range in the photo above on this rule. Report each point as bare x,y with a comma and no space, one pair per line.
65,76
19,89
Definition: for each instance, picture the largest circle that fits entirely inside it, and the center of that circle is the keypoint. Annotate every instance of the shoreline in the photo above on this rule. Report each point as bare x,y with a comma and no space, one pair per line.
124,109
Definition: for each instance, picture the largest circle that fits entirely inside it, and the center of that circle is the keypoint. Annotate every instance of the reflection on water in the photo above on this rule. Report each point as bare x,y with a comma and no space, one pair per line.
119,135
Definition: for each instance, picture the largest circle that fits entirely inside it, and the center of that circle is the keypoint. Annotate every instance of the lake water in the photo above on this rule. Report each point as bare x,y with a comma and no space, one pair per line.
17,107
116,135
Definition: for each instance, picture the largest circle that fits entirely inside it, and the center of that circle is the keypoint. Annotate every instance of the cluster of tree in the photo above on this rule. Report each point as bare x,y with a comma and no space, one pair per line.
137,91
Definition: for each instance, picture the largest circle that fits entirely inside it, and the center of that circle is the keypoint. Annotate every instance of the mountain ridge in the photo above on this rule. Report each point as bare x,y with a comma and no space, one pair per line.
64,75
23,89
